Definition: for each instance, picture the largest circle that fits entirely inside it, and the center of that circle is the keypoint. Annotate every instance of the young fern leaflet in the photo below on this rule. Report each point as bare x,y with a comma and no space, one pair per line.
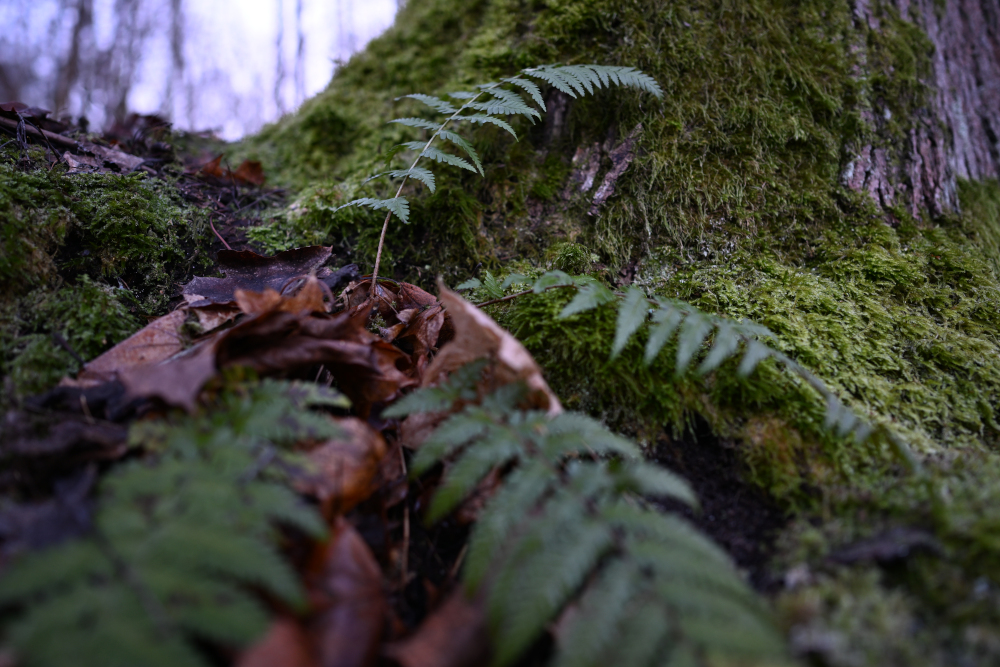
571,527
573,80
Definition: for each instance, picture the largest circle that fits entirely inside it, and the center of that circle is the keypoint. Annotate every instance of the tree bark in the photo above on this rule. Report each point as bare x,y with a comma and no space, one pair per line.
958,135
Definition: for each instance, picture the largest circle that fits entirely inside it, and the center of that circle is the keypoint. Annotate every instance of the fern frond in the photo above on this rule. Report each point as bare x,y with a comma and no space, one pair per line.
462,95
601,608
588,297
464,145
493,451
694,330
435,103
545,568
557,79
513,279
439,156
631,316
755,353
516,498
723,347
552,279
418,123
656,481
456,431
399,206
178,537
506,102
565,522
529,87
576,433
461,385
481,119
667,318
425,176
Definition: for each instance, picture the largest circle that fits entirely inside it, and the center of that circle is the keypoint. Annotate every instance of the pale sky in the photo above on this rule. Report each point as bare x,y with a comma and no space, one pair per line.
230,55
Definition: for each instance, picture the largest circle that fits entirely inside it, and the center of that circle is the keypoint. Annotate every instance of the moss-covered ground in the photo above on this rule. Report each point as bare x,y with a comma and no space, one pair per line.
86,259
735,204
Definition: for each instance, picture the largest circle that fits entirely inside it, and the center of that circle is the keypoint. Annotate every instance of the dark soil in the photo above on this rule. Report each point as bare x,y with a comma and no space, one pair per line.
741,517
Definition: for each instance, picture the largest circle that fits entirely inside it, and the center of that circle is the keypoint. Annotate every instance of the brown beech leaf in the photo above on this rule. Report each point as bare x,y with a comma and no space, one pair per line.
177,381
285,645
345,589
279,343
249,271
155,342
308,299
456,635
345,469
250,172
478,336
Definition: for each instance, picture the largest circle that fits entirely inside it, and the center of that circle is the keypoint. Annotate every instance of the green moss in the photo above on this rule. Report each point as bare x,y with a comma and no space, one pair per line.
85,256
34,218
981,216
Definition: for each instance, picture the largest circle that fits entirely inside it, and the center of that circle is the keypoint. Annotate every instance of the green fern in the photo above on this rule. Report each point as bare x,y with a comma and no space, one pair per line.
570,526
668,319
489,103
178,537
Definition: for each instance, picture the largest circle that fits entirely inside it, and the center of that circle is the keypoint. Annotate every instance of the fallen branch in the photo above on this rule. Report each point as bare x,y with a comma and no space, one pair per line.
39,133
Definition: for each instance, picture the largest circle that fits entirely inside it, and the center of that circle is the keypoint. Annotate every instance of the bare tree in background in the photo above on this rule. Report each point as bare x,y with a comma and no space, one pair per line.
90,57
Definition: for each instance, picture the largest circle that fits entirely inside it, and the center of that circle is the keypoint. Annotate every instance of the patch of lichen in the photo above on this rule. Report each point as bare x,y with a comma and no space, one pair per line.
86,256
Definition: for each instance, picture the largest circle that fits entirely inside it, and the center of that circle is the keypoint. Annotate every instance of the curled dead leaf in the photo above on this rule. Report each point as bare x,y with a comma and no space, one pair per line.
155,342
345,588
478,336
249,271
345,469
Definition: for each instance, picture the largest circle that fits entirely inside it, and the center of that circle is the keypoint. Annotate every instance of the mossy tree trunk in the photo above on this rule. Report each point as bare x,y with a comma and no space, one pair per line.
957,136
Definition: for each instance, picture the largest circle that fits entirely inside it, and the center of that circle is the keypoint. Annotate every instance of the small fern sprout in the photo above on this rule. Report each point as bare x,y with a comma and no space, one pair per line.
489,103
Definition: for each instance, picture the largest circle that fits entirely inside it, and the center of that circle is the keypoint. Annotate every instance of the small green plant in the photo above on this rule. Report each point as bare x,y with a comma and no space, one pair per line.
571,526
489,103
178,537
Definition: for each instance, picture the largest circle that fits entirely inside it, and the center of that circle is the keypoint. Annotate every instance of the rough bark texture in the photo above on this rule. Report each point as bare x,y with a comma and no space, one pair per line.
957,136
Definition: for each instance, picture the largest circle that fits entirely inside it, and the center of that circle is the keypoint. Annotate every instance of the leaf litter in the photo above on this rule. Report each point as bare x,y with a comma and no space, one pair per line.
381,588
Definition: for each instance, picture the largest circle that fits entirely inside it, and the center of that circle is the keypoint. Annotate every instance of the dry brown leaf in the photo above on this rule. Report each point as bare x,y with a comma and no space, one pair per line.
155,342
456,635
249,271
278,343
285,645
478,336
177,381
345,469
345,588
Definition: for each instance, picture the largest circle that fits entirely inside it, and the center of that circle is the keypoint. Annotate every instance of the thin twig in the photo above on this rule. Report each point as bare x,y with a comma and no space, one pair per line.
219,235
503,298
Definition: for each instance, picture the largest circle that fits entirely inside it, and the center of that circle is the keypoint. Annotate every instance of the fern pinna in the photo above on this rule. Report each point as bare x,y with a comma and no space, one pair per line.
179,536
670,319
489,104
570,533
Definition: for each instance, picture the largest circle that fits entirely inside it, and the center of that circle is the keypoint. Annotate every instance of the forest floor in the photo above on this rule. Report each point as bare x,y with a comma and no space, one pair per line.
191,377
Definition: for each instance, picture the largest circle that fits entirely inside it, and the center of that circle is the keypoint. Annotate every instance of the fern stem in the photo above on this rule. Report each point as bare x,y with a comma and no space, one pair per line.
388,216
